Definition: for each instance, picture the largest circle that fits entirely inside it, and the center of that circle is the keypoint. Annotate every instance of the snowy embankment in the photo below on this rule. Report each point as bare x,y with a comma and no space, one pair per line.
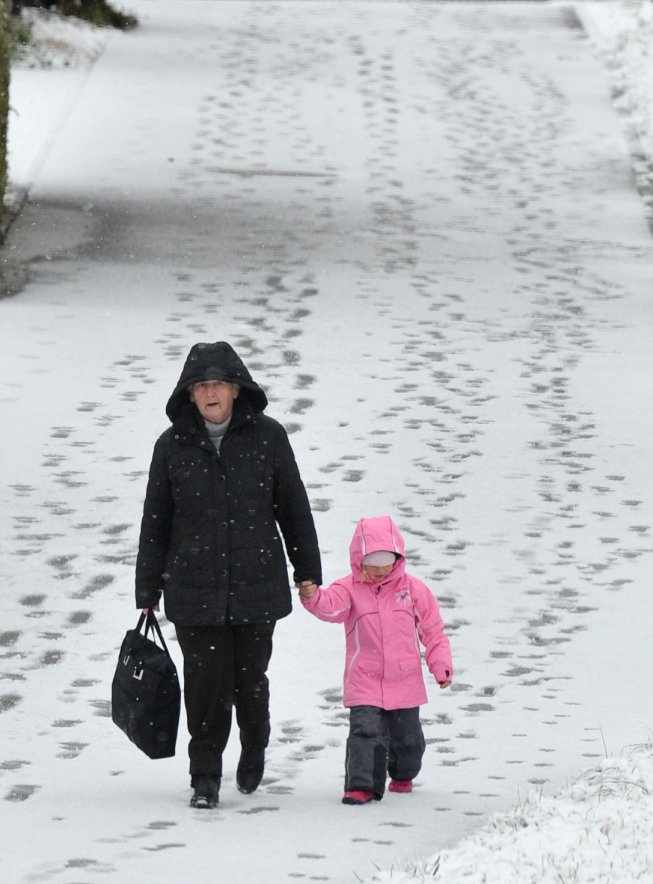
596,830
621,34
59,42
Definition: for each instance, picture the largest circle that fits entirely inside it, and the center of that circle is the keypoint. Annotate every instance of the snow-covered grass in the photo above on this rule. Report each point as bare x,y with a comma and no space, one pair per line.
57,41
598,830
621,33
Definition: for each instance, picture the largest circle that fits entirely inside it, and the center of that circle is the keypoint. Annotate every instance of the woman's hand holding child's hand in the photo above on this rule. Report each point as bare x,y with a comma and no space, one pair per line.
307,589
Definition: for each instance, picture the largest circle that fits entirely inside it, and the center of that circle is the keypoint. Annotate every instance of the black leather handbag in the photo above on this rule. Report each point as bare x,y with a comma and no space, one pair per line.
145,693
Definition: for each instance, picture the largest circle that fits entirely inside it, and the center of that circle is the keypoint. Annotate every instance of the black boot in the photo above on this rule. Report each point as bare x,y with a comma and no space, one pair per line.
250,770
206,790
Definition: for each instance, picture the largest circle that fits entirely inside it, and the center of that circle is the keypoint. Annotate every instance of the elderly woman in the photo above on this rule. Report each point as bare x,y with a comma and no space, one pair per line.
223,490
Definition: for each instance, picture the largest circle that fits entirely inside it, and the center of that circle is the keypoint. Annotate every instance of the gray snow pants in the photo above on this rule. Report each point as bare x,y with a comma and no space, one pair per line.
381,742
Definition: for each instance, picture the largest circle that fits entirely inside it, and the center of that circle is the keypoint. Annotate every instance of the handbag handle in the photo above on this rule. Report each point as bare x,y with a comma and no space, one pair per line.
151,623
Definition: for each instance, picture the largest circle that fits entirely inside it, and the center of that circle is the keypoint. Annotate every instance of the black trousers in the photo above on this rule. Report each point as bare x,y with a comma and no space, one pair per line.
225,667
381,742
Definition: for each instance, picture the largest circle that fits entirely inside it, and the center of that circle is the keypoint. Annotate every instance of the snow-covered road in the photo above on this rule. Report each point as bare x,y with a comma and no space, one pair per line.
418,226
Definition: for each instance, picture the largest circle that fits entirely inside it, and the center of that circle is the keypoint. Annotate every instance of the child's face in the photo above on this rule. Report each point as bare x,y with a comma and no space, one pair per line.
374,573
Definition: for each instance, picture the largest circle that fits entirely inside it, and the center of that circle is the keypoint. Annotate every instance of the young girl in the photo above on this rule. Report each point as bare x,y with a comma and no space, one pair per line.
384,611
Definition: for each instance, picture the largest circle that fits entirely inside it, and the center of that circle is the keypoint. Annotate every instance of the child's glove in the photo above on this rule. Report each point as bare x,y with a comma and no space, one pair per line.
443,675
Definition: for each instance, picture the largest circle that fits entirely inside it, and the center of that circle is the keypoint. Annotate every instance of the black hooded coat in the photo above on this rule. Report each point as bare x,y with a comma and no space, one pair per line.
212,528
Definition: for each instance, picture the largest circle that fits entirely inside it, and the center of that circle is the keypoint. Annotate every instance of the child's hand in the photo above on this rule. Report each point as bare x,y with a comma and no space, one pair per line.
307,589
444,684
443,676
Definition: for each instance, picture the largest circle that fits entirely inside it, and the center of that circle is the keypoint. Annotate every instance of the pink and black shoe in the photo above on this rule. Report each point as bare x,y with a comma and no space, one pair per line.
400,786
358,796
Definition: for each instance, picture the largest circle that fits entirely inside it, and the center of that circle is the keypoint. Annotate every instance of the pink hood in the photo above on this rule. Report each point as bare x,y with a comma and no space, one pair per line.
374,534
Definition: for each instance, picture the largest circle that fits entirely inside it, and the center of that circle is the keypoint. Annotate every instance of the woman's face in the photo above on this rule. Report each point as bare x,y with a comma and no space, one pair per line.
214,399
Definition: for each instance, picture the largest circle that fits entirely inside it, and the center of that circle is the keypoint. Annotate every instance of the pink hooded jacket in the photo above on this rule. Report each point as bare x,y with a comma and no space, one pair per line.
382,625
